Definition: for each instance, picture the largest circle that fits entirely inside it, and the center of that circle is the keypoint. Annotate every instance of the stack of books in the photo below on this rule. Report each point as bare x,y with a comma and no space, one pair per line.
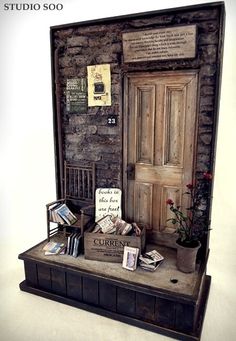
73,247
60,213
150,260
74,244
54,248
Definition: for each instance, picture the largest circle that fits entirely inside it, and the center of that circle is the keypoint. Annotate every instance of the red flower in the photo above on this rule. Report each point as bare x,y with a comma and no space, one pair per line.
170,202
207,176
190,186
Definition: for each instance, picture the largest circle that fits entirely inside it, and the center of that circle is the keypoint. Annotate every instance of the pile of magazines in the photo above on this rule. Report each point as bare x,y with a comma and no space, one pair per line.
150,260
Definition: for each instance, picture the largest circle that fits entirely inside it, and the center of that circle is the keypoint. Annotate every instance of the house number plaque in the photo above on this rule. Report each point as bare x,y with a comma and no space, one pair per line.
160,44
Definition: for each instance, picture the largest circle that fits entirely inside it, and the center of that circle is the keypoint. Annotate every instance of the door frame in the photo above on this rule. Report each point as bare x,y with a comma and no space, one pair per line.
153,236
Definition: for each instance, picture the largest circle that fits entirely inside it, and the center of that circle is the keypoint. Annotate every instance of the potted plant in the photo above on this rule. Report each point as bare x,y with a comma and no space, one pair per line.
192,223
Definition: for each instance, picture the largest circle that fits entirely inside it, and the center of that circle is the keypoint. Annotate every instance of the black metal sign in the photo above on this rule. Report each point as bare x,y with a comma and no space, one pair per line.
76,95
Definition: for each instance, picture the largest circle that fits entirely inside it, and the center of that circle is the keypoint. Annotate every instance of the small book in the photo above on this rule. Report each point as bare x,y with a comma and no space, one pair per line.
64,212
63,251
106,224
53,248
151,260
130,258
68,243
51,212
122,227
54,216
71,246
77,246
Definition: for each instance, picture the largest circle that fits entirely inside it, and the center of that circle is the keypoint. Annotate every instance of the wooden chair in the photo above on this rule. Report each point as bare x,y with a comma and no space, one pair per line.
79,192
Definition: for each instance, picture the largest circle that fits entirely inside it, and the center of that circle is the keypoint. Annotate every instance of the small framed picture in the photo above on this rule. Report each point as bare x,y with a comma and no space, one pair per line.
130,258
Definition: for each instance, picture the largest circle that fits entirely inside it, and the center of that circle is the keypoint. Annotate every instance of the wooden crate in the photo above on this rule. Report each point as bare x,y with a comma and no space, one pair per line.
110,247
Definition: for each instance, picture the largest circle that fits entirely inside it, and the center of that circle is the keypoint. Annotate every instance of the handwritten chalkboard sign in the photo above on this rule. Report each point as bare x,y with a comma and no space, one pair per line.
108,202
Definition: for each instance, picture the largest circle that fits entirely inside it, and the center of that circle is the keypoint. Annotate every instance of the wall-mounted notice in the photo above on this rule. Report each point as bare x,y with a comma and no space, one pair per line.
76,95
160,44
99,85
108,202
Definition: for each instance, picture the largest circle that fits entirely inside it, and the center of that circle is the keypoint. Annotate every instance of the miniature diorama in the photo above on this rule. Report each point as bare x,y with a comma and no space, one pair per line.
135,120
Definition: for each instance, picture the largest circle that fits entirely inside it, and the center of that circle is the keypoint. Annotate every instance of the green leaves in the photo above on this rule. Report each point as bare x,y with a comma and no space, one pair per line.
193,224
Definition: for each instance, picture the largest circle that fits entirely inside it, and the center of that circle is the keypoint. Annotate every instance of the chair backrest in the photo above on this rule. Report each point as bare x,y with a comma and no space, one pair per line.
79,182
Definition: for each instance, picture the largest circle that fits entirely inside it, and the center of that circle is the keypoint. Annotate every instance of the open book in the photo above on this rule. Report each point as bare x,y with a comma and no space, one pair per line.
150,260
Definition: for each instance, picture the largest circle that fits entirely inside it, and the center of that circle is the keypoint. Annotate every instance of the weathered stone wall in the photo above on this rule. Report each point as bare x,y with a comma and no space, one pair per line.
86,136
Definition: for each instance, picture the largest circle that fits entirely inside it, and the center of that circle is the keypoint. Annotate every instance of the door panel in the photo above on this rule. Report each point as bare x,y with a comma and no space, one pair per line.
175,119
145,121
175,194
160,145
143,193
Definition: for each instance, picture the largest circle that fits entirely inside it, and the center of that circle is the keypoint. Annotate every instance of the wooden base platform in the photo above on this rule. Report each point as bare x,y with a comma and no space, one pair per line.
166,301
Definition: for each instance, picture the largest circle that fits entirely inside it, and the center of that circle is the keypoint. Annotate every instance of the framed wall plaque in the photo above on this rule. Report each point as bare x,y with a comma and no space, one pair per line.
160,44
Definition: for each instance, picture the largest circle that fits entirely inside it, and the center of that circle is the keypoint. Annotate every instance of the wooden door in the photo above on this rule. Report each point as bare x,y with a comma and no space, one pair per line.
159,146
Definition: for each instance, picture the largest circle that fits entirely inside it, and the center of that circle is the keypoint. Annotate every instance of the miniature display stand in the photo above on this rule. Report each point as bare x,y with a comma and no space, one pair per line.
137,97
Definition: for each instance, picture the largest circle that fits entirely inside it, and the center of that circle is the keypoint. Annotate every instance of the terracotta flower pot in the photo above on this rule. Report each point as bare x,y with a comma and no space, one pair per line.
186,257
